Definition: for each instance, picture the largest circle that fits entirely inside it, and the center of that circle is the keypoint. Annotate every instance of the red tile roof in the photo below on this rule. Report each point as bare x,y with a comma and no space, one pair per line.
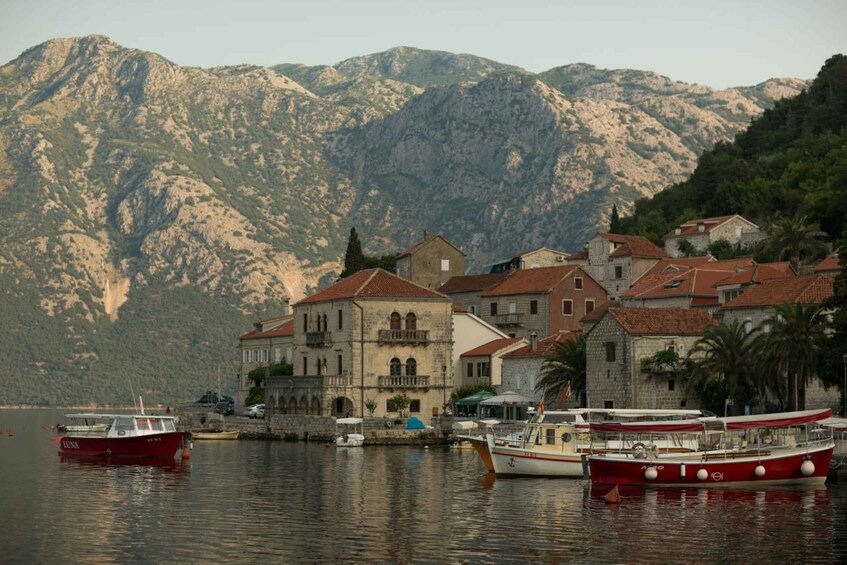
492,347
662,321
690,227
807,289
426,241
692,281
758,274
830,263
373,283
472,283
532,281
459,309
578,256
633,245
283,330
598,312
544,346
677,264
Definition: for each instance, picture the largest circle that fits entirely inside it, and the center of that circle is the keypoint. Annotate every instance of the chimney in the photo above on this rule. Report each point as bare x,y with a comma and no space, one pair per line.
678,231
701,227
425,234
533,341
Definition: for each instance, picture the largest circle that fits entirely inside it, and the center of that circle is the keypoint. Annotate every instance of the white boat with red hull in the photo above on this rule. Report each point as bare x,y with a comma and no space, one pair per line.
739,451
136,436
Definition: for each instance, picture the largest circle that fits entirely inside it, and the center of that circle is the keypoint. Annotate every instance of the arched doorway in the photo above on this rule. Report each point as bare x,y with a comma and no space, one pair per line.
292,405
315,409
270,406
343,407
304,406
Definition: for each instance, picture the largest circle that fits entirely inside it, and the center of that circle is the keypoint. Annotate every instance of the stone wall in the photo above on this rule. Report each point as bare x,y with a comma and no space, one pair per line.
426,264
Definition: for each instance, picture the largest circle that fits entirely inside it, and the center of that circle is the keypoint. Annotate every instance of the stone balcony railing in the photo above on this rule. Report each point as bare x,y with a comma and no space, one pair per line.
310,381
404,336
509,319
404,381
318,339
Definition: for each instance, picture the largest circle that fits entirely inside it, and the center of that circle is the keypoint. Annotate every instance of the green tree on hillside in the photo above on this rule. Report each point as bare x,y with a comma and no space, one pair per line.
797,238
615,220
354,258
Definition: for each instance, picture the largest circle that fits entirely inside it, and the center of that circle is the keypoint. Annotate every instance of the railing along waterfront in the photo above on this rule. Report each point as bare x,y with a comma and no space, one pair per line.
404,381
404,336
509,319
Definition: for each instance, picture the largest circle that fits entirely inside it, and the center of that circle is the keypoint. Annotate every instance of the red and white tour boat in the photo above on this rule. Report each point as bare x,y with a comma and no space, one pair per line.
768,449
136,436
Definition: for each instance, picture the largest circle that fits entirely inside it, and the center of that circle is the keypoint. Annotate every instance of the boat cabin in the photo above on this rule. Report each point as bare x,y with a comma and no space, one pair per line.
116,425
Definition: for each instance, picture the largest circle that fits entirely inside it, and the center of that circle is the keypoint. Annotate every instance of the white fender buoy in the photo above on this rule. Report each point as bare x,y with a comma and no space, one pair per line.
651,473
807,468
702,474
682,470
759,471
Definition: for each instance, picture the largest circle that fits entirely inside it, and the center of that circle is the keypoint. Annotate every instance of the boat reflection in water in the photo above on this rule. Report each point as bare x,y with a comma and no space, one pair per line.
168,465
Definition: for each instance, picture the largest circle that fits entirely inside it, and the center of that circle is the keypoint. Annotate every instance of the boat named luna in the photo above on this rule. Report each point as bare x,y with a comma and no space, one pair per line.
120,435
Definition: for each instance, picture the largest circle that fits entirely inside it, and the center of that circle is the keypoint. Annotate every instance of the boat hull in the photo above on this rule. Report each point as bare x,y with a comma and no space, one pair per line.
215,435
157,446
480,445
741,471
518,462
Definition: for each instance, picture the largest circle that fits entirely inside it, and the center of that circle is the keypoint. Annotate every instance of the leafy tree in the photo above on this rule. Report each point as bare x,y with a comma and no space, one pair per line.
354,259
833,366
722,249
564,369
794,347
255,396
385,262
370,404
686,248
796,237
399,404
614,221
725,355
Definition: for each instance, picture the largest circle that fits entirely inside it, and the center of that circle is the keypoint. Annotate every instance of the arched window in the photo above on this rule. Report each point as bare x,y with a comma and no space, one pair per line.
395,367
411,367
411,321
319,323
319,367
326,327
395,321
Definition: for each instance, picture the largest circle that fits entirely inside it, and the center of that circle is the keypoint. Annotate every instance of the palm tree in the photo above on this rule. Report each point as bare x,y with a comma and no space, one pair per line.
564,368
794,347
725,355
795,237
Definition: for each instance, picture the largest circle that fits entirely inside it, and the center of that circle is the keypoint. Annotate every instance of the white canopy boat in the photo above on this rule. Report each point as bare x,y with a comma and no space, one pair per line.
352,434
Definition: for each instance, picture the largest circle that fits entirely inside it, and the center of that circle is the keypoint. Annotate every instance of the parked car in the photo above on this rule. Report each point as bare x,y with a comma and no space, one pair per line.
255,411
226,406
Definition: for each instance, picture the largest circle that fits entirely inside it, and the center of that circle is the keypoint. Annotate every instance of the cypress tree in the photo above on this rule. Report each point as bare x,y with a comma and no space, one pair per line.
615,221
354,259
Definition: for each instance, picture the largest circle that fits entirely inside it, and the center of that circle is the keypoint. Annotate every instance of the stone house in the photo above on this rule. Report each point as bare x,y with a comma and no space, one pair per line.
734,286
829,266
364,340
758,305
269,342
684,283
703,232
431,262
543,300
464,290
616,261
522,367
541,257
469,332
483,364
618,345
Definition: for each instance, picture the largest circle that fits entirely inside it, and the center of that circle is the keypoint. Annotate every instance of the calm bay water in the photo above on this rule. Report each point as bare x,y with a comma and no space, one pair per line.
250,501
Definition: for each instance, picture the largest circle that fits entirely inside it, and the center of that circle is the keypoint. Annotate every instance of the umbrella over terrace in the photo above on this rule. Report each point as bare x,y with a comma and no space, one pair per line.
471,402
512,403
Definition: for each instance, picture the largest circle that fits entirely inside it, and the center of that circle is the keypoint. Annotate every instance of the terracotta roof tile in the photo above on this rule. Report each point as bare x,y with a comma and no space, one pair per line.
690,227
807,289
283,330
544,346
459,309
693,281
830,263
471,283
662,321
633,245
372,283
758,274
532,281
598,312
578,256
492,347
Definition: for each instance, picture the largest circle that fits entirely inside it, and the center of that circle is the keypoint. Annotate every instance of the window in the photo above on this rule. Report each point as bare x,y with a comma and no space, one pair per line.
748,325
318,366
482,370
671,384
305,365
618,272
245,356
472,310
277,355
610,351
567,307
340,366
394,367
682,403
550,436
577,283
415,406
589,305
319,322
325,326
395,321
411,321
470,369
305,322
445,265
533,307
340,319
766,325
493,309
411,367
608,404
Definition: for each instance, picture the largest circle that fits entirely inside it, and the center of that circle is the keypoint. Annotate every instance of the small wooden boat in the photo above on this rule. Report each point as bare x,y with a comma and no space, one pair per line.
215,435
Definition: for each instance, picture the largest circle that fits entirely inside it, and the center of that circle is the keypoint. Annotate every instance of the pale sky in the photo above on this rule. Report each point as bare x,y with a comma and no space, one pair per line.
713,42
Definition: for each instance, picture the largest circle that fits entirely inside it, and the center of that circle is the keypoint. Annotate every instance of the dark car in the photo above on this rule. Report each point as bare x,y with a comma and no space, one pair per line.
223,404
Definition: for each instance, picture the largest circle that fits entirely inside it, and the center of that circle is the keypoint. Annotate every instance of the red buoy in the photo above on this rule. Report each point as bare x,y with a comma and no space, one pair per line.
186,453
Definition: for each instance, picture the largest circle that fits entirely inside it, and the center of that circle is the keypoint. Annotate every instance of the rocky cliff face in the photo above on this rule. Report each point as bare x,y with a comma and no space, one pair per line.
125,177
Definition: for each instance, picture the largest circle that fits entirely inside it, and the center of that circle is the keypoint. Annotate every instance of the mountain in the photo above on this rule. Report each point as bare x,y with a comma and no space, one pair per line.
149,212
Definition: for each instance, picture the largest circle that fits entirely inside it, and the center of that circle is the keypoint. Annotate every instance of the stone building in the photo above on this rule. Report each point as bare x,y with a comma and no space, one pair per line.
431,262
483,364
618,349
269,342
364,340
522,367
616,261
543,300
732,287
541,257
464,290
703,232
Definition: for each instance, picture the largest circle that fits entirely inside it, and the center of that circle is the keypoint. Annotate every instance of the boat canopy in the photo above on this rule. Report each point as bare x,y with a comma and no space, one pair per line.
839,424
489,422
508,397
465,425
474,399
348,421
780,420
659,426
